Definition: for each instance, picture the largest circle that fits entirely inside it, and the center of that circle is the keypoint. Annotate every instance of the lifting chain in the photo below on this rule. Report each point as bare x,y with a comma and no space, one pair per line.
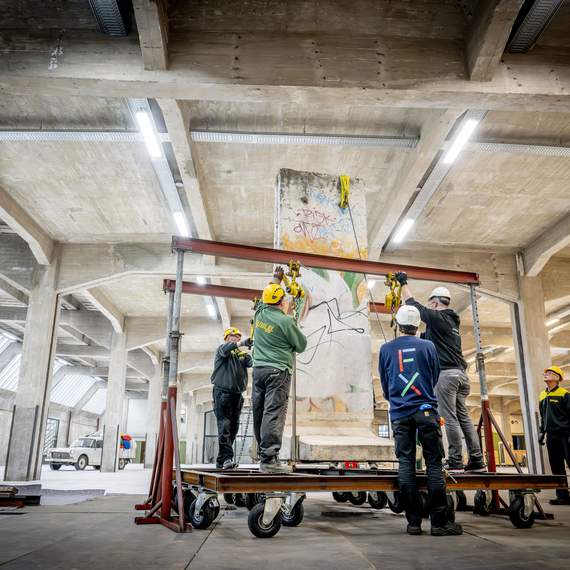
393,297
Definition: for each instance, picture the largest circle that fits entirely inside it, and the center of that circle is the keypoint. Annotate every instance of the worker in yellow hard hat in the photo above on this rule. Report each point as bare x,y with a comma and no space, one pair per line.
555,426
229,378
277,339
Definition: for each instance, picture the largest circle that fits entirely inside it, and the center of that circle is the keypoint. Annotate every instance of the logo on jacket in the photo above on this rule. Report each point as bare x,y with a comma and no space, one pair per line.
409,383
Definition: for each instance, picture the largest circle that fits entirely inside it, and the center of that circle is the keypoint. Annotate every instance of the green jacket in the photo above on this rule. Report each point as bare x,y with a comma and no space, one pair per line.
276,338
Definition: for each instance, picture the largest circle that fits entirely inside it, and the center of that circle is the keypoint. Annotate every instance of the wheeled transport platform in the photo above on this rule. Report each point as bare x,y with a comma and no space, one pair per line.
277,499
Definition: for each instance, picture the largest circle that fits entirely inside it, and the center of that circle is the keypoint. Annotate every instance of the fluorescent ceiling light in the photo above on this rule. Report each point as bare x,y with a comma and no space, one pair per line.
371,283
201,280
459,141
403,230
211,309
181,224
149,135
552,321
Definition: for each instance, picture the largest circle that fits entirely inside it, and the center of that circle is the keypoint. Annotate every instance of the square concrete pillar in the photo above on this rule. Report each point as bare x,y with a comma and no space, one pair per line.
153,425
115,401
24,456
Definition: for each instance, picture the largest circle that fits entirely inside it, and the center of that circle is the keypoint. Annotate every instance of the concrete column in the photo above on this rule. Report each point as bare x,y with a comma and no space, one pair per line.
36,372
154,401
532,347
115,399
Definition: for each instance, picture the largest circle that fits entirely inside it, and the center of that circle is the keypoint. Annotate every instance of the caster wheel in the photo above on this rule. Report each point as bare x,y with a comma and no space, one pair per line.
229,498
450,509
340,497
424,503
396,505
461,501
358,498
205,517
378,500
296,517
252,499
240,499
187,497
480,506
517,515
256,525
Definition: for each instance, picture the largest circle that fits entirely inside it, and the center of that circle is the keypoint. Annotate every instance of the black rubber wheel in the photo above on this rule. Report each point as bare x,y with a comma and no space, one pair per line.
229,498
461,501
296,517
55,466
357,499
122,463
204,518
450,509
340,497
252,499
81,463
424,503
97,467
396,505
517,516
187,497
256,526
480,506
240,499
381,502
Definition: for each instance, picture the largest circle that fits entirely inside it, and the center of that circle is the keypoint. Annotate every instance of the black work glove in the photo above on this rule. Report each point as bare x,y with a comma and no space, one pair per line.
541,438
246,342
401,277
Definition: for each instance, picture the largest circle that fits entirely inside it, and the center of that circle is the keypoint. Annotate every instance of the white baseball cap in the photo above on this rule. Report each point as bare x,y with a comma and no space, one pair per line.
440,292
408,315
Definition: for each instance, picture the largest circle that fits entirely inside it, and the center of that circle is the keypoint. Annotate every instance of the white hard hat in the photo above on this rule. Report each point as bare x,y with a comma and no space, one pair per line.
408,315
440,292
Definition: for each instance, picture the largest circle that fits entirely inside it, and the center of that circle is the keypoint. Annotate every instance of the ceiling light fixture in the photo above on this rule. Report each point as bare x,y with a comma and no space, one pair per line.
403,230
553,321
211,309
149,135
181,224
371,283
460,140
201,280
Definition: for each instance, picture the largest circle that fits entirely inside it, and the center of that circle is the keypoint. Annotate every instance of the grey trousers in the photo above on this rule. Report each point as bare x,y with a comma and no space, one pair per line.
269,396
451,390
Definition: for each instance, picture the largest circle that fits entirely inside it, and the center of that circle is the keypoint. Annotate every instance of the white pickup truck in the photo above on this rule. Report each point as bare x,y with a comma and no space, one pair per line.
86,451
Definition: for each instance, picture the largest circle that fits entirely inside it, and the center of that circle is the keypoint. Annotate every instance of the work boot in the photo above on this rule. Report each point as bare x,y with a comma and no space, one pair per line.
560,501
448,529
475,467
453,468
274,466
414,530
228,464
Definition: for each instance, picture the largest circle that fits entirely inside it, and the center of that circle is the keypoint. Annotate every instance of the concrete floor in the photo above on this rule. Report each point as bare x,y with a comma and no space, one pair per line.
99,533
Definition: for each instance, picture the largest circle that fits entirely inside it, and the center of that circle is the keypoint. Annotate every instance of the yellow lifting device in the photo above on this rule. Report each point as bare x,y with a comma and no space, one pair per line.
393,296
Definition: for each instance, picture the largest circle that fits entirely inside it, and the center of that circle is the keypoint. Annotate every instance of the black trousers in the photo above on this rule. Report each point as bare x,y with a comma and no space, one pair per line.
425,425
227,408
269,400
558,453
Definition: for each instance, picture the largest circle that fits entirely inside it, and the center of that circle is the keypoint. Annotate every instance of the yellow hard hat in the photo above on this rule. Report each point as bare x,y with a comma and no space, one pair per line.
232,331
272,294
556,370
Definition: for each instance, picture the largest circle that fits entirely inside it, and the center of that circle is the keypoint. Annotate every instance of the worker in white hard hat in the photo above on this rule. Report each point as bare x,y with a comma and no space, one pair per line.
409,371
442,328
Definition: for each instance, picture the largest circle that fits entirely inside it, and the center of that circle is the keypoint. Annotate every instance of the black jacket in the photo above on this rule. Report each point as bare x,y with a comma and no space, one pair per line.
442,328
230,368
555,411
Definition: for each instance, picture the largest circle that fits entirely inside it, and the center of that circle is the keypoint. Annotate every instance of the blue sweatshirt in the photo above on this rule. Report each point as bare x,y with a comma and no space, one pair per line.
409,369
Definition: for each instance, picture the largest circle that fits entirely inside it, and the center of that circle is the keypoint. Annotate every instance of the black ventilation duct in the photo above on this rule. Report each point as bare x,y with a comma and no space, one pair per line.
113,16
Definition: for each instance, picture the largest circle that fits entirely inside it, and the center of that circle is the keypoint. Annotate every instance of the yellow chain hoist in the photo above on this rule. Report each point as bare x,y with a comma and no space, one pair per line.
293,287
393,296
344,181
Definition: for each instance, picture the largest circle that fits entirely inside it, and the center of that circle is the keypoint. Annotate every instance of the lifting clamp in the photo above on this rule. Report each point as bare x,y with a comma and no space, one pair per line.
344,181
393,296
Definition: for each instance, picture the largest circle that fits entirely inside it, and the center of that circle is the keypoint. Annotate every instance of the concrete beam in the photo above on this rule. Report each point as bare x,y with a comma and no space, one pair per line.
433,134
17,263
196,362
141,362
487,36
88,395
152,25
107,308
91,324
28,229
13,314
81,351
16,294
98,68
551,241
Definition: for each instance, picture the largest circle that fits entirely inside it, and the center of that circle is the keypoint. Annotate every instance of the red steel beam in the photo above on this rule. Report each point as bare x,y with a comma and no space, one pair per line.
269,255
237,293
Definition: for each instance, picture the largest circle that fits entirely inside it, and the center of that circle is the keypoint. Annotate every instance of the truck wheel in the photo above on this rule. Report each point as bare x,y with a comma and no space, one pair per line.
122,463
204,518
396,505
340,497
378,500
517,516
256,526
82,463
55,466
357,498
461,501
296,517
